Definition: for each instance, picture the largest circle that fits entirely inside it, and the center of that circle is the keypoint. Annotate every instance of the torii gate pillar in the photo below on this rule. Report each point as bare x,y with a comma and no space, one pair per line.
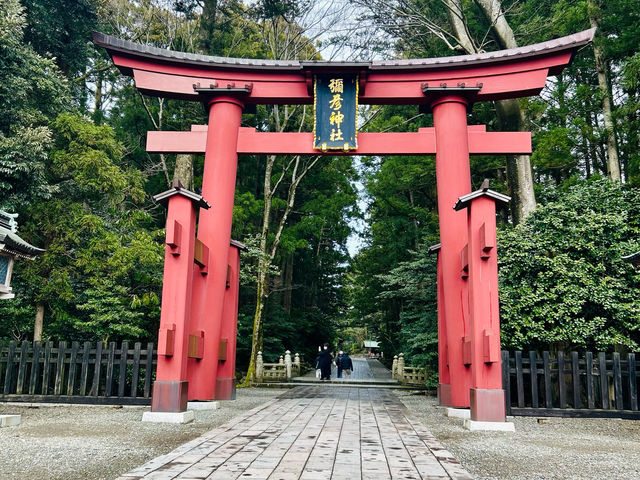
214,231
453,179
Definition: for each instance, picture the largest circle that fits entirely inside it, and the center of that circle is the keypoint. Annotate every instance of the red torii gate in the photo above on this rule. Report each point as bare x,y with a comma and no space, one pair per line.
469,335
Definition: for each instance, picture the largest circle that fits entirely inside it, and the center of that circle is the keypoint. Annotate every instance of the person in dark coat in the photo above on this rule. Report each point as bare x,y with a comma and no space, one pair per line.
339,363
346,362
323,362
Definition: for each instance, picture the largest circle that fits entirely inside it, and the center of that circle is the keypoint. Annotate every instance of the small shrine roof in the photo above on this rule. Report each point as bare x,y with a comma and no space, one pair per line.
12,243
633,258
118,45
465,200
178,189
435,248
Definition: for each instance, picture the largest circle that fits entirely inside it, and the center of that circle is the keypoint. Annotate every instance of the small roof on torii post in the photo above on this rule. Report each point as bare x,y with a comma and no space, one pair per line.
517,72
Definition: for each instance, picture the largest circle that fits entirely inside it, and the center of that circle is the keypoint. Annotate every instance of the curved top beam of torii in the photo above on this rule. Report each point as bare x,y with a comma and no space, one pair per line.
517,72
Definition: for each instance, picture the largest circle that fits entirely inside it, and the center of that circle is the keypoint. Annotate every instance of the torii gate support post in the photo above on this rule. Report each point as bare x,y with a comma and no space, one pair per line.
487,399
214,231
444,378
226,373
453,179
170,389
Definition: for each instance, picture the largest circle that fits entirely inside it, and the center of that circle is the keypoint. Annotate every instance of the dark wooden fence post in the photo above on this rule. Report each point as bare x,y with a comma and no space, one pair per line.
8,383
46,368
148,372
589,366
548,398
95,387
533,367
633,385
506,381
604,381
519,379
35,368
136,369
71,381
22,368
84,372
617,381
111,359
122,377
575,377
62,352
562,386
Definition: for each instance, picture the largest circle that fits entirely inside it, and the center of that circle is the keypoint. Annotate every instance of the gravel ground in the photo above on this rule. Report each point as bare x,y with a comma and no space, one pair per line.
74,442
96,442
557,448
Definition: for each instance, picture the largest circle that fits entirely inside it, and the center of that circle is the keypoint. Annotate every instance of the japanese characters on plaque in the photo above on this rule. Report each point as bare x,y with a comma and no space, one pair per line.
336,112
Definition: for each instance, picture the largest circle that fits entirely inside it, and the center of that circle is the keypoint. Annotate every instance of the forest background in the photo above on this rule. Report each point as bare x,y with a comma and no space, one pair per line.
73,165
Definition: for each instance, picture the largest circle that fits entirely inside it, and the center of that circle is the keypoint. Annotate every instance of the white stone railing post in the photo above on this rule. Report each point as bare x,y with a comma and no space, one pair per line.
400,368
296,360
394,367
287,363
259,367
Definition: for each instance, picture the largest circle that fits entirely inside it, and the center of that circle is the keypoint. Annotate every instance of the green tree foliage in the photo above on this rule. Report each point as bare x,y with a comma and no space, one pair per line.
562,280
100,276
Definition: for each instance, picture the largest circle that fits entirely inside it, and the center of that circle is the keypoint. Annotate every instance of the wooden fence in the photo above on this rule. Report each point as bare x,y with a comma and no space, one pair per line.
87,373
601,385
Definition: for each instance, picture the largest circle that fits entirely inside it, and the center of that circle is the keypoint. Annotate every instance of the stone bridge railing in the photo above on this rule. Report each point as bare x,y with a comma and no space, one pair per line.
407,375
281,371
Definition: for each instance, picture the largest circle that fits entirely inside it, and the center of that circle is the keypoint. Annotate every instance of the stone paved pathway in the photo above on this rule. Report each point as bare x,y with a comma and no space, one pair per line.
313,433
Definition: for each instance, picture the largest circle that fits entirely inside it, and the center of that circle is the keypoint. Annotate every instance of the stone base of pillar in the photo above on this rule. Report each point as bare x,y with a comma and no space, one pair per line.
473,426
168,417
225,389
458,413
202,405
169,396
487,405
444,395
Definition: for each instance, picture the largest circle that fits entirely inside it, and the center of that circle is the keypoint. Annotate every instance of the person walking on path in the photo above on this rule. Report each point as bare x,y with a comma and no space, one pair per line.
323,362
339,363
346,364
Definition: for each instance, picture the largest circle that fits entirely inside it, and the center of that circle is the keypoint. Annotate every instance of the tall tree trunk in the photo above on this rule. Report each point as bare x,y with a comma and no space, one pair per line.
183,170
38,323
613,164
288,283
97,100
206,41
511,117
